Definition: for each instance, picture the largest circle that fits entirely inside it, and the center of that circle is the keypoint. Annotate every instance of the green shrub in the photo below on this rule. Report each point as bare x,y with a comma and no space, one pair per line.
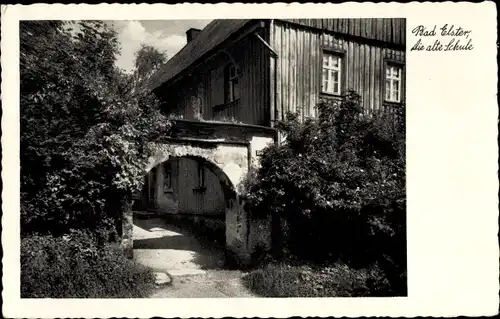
339,280
336,188
84,133
75,266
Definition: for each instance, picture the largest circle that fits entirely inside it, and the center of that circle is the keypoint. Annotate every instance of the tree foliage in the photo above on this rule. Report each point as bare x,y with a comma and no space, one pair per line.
84,138
337,184
147,61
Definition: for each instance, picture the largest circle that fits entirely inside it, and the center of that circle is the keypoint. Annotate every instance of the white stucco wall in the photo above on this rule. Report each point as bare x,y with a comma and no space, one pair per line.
258,143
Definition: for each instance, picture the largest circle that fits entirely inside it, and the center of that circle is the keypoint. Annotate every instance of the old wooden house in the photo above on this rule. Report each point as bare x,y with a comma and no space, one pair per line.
252,72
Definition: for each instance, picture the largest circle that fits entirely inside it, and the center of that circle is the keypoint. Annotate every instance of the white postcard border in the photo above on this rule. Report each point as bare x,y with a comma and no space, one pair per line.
451,168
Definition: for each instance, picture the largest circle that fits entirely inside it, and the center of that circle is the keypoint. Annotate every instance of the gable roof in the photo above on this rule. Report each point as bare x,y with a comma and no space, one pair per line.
215,33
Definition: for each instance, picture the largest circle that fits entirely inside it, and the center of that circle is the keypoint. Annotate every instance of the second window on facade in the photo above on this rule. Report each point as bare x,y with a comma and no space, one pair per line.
393,79
332,73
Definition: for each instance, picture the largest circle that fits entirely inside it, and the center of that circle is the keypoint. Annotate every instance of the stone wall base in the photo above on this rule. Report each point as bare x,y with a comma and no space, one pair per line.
127,244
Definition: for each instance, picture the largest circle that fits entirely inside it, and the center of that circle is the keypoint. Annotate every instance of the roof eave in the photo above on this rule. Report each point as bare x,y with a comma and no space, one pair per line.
211,53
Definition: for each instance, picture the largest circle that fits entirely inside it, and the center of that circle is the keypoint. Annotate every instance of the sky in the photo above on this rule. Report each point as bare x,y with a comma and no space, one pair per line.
165,35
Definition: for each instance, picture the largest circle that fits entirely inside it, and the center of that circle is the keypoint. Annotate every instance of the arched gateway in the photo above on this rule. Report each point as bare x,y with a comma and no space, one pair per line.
227,151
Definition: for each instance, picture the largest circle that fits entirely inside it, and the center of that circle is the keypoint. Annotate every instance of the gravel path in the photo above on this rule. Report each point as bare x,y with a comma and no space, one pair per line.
196,267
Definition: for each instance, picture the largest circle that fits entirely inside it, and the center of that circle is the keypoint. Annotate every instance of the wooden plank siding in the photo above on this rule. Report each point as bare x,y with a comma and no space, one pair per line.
298,54
191,201
205,89
390,30
300,46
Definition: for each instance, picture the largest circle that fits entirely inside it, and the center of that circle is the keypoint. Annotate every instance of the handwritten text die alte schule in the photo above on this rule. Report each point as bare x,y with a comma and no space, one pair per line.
443,38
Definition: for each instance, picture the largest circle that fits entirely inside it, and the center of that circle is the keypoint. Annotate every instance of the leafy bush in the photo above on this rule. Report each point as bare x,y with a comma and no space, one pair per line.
84,127
339,280
76,266
336,188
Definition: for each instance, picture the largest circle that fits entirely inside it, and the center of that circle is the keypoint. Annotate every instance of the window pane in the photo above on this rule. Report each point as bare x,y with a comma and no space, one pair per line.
325,60
231,91
325,80
335,76
336,87
335,61
330,75
394,95
325,86
388,72
387,89
398,72
395,84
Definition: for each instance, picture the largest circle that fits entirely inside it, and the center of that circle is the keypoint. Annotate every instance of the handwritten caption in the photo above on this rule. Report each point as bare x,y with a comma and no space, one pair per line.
442,38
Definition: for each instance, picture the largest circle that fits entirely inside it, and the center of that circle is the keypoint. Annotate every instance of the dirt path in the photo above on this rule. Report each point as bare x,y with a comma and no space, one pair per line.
196,267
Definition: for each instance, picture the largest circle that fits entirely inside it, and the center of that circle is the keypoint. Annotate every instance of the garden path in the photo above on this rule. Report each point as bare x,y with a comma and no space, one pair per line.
196,266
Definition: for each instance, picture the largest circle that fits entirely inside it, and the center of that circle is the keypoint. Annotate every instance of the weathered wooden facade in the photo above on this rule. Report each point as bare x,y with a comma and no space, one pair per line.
204,92
364,50
254,71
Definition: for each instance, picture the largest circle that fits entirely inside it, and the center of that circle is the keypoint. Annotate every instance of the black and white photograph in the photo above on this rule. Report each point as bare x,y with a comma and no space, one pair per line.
221,157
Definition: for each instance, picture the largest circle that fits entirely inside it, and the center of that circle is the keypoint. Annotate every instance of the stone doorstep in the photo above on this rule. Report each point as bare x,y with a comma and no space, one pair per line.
162,279
187,272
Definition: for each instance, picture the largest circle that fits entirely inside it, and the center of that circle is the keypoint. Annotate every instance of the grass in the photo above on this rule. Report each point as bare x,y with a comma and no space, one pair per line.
338,280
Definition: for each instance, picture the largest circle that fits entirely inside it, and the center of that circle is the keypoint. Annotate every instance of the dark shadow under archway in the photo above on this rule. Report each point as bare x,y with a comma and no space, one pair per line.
212,230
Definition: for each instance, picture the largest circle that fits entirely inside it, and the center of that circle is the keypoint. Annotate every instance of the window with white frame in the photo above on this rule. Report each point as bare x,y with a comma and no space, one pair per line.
393,79
233,87
332,73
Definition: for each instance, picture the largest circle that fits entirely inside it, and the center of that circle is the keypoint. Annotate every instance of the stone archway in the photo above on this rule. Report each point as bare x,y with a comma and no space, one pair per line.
231,159
229,163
